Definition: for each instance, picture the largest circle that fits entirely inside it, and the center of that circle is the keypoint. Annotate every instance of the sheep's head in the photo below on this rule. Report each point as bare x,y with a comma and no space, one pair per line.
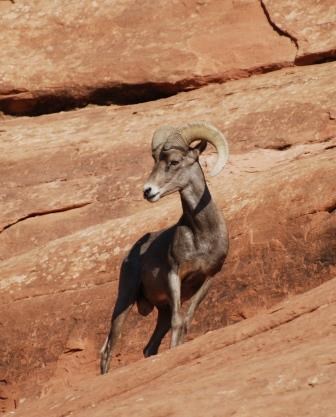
175,161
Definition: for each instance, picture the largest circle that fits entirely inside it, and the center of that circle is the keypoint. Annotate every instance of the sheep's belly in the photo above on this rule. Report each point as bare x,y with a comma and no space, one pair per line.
155,289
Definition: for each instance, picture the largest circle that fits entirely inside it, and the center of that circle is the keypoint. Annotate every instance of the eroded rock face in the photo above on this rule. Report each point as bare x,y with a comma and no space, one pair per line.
71,204
58,55
89,166
280,363
310,24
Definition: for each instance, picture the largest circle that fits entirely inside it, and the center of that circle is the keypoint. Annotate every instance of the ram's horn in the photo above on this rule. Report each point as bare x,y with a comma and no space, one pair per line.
204,130
160,137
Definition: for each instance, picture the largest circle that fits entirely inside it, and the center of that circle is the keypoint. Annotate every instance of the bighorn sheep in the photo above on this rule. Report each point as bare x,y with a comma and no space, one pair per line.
165,268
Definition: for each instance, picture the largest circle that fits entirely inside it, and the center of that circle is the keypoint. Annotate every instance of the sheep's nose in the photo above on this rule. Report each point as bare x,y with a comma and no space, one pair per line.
147,192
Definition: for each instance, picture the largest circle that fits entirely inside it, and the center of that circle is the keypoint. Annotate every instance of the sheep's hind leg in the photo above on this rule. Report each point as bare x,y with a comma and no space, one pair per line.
118,318
127,296
161,329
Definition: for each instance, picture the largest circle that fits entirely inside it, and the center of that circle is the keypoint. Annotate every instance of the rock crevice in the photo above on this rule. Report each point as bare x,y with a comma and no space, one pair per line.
121,94
44,213
173,57
277,28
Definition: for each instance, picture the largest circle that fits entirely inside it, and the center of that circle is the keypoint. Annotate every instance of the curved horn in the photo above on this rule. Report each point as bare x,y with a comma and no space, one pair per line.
204,130
160,136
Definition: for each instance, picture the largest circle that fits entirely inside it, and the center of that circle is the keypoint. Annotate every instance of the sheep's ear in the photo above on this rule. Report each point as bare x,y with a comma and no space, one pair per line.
198,149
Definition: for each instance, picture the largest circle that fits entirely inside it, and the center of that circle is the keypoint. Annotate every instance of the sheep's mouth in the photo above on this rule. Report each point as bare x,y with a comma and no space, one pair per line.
153,197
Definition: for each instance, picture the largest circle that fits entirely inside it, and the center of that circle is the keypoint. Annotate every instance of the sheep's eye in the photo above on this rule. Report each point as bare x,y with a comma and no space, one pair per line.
173,163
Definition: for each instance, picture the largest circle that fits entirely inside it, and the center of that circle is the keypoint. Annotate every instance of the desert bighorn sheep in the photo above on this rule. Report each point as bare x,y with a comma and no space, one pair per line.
165,268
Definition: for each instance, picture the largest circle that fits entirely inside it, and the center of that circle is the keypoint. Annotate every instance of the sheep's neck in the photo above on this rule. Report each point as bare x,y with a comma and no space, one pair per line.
199,210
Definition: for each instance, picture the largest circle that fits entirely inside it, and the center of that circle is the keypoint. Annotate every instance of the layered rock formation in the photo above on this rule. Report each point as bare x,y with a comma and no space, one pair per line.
280,363
60,55
71,190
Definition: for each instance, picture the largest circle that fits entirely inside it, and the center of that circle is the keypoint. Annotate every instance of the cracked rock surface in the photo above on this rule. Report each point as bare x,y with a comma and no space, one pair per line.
310,24
280,363
74,54
90,52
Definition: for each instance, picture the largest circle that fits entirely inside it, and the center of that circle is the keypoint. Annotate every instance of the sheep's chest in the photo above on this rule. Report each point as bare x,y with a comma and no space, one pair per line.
205,259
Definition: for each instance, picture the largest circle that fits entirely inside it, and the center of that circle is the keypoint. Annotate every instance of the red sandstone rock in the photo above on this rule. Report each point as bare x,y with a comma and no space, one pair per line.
56,55
73,165
310,24
281,363
71,204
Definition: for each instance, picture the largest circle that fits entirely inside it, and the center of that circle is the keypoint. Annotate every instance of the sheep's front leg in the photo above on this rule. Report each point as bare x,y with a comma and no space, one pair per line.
174,283
196,300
